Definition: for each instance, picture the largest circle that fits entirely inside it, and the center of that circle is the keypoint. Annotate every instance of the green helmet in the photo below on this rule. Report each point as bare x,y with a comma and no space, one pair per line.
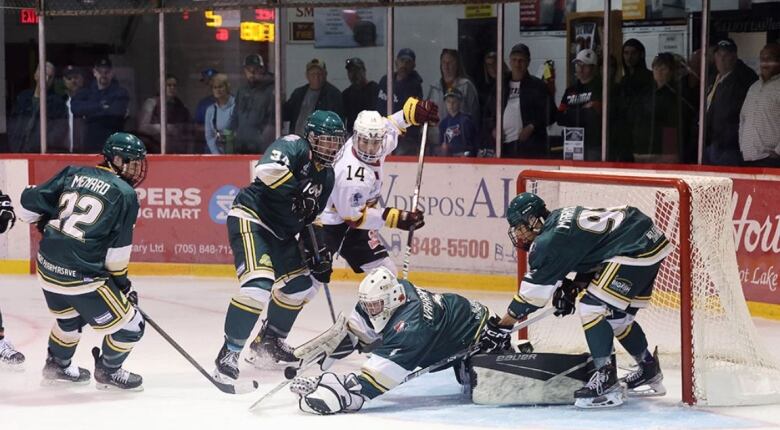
328,135
529,211
129,148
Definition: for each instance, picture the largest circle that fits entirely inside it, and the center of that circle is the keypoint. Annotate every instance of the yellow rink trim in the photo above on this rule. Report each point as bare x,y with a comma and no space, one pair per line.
451,281
15,267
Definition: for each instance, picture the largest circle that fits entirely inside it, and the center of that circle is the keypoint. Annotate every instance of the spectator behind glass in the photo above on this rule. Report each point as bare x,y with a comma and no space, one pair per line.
581,103
406,83
218,139
637,81
486,83
318,94
73,78
457,133
725,94
528,110
453,76
205,103
252,123
661,116
24,131
103,105
759,121
361,94
178,132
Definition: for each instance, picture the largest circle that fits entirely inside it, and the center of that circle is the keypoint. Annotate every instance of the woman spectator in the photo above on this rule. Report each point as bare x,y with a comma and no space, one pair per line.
218,116
486,83
178,119
661,116
453,76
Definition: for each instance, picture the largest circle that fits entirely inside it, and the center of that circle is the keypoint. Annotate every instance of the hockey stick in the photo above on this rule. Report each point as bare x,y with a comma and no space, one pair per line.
238,388
290,372
415,200
474,349
313,238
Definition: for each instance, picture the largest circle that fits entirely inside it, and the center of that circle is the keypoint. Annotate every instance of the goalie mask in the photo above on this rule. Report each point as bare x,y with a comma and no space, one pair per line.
125,154
325,132
379,295
526,215
369,137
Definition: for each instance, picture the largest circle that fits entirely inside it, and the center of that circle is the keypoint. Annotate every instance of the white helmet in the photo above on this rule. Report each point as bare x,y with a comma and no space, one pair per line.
379,295
369,136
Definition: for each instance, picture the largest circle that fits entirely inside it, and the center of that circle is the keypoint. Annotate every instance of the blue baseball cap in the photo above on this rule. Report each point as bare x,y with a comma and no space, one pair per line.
406,52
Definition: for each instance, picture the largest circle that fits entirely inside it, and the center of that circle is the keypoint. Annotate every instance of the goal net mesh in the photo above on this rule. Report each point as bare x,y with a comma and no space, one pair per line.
730,366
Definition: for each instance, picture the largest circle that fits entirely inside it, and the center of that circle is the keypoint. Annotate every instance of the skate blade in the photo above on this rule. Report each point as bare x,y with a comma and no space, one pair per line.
109,387
610,399
655,389
62,382
264,362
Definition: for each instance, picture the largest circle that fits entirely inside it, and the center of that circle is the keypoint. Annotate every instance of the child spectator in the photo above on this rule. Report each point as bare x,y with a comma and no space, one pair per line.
457,133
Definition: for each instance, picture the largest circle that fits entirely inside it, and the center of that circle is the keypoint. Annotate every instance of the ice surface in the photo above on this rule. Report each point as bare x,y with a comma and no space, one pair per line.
192,310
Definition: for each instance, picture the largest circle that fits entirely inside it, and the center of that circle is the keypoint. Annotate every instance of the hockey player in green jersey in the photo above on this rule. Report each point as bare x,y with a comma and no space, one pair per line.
409,327
9,356
616,253
292,182
86,216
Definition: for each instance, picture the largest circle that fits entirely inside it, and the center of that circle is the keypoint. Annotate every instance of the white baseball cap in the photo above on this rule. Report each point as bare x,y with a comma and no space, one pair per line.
586,56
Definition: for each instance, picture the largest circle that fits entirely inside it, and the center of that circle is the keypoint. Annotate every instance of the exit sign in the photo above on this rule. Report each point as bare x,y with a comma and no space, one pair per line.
28,16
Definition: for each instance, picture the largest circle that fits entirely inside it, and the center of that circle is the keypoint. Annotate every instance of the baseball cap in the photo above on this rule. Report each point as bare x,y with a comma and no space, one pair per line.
70,70
316,62
406,52
103,62
355,62
726,45
453,92
207,74
586,56
521,48
254,60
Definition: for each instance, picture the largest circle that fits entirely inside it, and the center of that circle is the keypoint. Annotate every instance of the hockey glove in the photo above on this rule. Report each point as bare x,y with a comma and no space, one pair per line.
564,298
494,338
126,287
7,215
305,201
418,111
328,394
403,220
321,267
343,350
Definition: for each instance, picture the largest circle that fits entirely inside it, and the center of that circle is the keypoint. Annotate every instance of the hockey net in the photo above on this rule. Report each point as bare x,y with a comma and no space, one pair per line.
698,316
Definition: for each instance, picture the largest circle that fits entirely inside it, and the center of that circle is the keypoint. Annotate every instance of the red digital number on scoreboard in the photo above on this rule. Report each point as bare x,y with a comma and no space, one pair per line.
28,16
265,14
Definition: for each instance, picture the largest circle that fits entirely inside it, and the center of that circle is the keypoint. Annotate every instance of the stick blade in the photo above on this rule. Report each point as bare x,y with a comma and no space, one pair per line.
240,387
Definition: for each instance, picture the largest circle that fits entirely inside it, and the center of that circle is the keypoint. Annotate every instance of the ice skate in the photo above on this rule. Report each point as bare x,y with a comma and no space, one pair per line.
268,349
646,380
603,390
54,373
10,358
227,365
108,378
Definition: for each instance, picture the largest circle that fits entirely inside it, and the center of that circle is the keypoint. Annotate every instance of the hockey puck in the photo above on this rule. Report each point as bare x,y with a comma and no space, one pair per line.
290,372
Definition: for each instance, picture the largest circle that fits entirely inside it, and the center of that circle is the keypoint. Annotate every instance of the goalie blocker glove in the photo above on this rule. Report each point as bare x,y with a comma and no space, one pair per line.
328,394
403,220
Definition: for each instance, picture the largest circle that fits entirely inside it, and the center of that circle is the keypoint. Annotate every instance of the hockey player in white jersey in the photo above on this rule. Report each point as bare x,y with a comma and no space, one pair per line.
353,216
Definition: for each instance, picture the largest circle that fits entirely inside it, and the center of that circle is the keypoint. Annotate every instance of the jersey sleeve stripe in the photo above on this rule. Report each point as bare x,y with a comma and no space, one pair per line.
281,181
373,381
117,259
270,173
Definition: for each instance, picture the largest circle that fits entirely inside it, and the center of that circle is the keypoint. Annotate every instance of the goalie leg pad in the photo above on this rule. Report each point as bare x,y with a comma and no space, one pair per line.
327,394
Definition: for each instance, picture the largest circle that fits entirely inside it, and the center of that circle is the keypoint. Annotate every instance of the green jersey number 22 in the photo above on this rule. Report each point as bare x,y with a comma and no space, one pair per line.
89,207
